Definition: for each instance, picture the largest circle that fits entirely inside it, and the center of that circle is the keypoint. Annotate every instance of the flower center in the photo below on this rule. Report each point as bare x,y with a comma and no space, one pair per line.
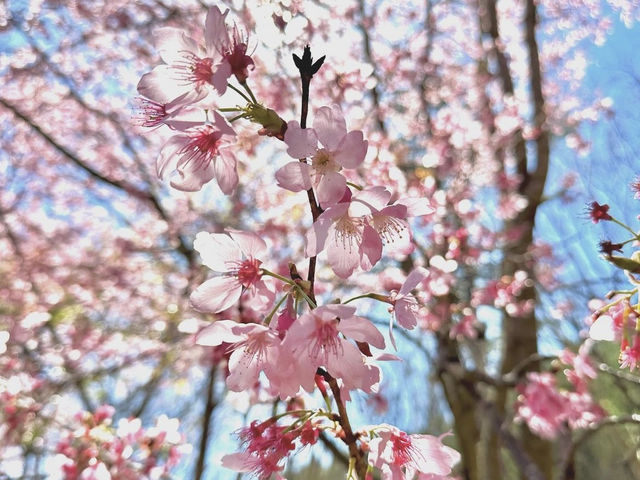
389,228
248,272
194,70
326,340
401,448
149,113
202,146
323,162
348,231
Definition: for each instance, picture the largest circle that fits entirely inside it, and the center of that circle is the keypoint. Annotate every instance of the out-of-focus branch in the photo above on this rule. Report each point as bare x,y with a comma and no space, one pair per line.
118,184
568,467
209,407
529,469
335,451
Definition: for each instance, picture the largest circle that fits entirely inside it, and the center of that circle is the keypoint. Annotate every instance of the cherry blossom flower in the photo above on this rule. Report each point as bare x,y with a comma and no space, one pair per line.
339,149
190,70
630,355
404,303
598,212
255,348
266,445
315,339
155,112
353,230
541,405
400,456
231,46
348,240
234,255
199,154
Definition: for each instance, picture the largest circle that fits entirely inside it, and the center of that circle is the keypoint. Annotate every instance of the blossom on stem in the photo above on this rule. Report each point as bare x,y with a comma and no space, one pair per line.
338,149
353,231
198,154
599,212
233,254
399,455
630,355
316,339
541,406
190,70
255,348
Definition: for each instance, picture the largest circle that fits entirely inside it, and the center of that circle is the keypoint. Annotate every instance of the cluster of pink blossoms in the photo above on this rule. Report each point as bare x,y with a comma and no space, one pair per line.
308,345
619,318
171,93
96,450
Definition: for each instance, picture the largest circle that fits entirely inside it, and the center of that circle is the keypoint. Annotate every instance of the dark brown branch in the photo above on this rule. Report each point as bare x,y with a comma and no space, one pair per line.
349,438
206,423
118,184
335,451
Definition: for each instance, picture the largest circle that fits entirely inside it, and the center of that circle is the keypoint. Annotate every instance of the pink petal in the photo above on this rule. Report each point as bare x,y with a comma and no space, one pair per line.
603,329
244,370
250,243
331,189
317,236
413,279
160,85
302,143
405,315
375,198
224,127
371,248
401,240
330,126
261,296
226,172
361,330
167,161
217,250
434,457
190,177
172,44
239,462
352,150
342,256
331,311
219,332
215,30
221,74
294,176
188,117
416,207
216,294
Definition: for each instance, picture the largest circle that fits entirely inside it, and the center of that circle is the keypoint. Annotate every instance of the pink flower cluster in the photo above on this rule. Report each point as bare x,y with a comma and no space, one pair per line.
290,359
96,450
267,444
399,455
190,75
547,410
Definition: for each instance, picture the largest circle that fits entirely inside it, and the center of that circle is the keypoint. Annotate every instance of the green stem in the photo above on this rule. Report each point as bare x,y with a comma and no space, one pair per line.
375,296
357,187
246,87
231,109
268,318
288,281
626,227
240,92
